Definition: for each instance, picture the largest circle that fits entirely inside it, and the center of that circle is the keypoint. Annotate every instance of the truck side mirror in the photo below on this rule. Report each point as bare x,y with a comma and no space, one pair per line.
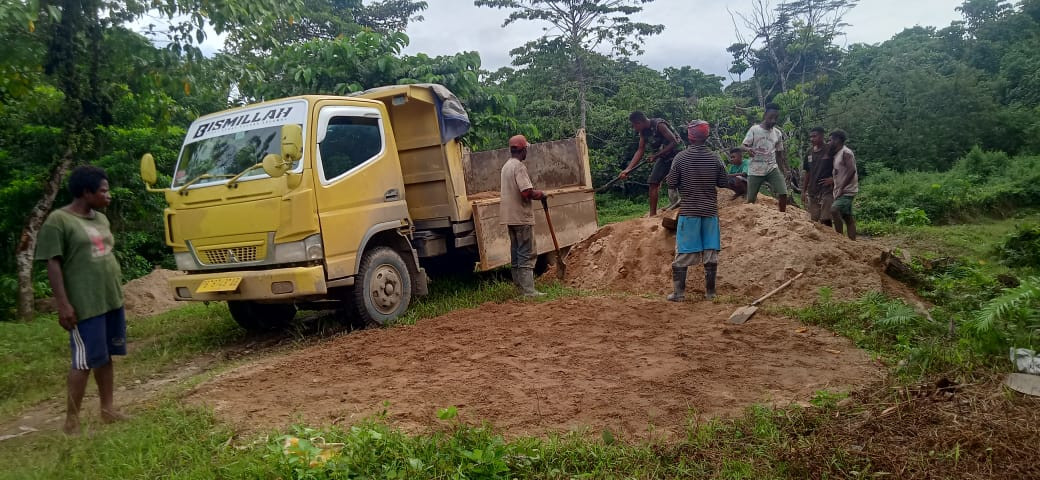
292,142
148,172
275,166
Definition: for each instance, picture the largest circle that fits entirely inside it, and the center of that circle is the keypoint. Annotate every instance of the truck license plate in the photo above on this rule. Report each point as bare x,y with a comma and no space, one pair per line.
223,284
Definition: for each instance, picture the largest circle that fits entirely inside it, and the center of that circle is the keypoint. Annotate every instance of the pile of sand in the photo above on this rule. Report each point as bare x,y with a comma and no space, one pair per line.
144,297
762,248
150,294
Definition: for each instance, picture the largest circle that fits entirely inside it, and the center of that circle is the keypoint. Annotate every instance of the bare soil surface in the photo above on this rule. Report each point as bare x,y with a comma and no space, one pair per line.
762,248
622,363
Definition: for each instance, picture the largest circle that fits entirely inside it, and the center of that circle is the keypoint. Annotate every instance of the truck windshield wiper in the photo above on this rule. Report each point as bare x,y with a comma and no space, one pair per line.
204,176
234,179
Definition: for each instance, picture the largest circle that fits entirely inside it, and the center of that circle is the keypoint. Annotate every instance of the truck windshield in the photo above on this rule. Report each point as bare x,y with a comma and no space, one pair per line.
227,155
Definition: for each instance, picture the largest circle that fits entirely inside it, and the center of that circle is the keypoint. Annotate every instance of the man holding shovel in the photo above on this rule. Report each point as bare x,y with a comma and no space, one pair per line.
656,134
516,213
695,173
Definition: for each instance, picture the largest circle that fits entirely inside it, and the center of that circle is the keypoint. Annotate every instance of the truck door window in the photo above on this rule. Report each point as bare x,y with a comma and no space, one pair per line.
349,142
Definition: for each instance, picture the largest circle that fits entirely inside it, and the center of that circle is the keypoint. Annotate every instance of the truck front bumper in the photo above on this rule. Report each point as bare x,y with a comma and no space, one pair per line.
271,285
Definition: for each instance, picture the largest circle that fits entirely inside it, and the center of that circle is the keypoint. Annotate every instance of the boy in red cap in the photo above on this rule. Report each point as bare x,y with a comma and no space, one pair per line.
516,213
695,173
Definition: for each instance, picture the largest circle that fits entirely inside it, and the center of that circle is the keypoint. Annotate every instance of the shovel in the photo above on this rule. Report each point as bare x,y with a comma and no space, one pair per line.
561,268
743,314
609,184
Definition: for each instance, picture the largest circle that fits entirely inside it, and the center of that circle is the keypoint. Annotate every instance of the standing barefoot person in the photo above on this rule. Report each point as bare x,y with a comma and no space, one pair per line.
846,184
76,243
658,135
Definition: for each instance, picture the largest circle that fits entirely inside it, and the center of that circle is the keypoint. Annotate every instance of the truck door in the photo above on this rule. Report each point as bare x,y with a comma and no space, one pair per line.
360,182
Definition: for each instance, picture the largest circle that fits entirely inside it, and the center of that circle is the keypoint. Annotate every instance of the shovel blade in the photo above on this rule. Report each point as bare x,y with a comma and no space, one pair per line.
742,315
561,269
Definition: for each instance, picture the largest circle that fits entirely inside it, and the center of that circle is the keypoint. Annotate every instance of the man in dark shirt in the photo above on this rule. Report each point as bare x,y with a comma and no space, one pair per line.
817,193
658,135
695,173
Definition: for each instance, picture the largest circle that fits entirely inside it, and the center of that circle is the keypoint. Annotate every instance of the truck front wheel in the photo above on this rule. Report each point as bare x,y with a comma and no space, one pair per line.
384,286
261,317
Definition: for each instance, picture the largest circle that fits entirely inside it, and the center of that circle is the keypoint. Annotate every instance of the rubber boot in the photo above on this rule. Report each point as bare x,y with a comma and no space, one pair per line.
515,274
527,283
711,270
679,283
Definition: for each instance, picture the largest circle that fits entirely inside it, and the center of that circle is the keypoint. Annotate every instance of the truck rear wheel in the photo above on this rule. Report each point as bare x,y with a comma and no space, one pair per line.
261,317
383,288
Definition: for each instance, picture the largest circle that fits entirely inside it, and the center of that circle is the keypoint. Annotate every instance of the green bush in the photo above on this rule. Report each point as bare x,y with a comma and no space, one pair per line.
1021,248
980,183
912,217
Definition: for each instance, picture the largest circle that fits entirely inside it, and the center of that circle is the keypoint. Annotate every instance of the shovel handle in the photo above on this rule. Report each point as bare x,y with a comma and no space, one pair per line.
618,179
548,221
777,289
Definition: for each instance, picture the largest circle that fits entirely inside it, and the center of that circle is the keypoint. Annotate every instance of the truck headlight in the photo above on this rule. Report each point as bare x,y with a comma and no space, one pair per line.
309,248
185,261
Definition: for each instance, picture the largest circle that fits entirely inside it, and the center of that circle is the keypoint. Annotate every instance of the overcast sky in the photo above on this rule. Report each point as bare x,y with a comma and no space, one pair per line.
696,32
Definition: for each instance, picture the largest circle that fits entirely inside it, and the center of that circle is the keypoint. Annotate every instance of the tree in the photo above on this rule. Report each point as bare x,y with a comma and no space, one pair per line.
74,29
790,44
694,82
979,12
583,26
324,20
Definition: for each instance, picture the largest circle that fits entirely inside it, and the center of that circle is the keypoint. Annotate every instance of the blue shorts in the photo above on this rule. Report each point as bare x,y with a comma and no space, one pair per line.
697,234
96,339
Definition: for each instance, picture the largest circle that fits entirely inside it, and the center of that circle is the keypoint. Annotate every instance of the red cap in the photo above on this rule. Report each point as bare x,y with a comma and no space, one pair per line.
518,142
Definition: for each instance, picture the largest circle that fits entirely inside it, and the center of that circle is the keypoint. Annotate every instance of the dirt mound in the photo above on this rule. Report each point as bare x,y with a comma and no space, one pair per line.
150,295
762,248
532,368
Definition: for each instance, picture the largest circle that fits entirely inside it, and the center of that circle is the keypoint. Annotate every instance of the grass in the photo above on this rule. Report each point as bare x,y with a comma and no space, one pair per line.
171,441
460,291
36,358
977,240
613,208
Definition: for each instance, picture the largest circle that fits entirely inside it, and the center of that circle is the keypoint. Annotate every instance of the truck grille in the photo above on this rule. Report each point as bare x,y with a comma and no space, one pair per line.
220,256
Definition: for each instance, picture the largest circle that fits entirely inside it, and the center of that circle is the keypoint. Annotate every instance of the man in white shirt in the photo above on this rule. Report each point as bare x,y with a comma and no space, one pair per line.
765,143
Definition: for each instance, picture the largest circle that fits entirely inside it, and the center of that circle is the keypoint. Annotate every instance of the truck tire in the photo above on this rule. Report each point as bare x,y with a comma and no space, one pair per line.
383,289
261,317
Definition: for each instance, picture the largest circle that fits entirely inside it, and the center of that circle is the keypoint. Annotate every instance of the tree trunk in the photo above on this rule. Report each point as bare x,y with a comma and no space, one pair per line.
579,63
27,244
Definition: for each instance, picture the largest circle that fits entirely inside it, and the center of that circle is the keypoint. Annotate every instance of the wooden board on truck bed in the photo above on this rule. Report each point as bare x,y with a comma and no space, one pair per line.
573,211
551,165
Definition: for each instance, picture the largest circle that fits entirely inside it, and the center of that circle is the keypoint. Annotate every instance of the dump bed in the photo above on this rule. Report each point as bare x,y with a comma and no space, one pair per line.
449,188
561,169
431,157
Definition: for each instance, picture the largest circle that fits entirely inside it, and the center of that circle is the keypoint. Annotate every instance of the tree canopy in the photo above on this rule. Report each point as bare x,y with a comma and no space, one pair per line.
78,85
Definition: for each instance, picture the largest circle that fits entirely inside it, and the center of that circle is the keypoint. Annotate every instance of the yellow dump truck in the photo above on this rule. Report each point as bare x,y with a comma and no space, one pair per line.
331,201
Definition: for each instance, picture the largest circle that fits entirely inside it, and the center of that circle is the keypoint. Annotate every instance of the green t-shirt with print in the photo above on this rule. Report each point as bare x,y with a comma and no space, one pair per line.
735,169
93,279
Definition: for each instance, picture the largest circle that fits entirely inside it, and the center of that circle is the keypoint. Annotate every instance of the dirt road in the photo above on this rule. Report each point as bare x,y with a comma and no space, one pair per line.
622,363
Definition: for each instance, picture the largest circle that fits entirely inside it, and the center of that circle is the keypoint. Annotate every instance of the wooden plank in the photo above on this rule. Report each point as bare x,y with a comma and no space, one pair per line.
574,216
551,165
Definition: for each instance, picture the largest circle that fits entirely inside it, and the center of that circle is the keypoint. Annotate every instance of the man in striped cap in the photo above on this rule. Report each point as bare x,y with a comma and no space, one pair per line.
695,173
